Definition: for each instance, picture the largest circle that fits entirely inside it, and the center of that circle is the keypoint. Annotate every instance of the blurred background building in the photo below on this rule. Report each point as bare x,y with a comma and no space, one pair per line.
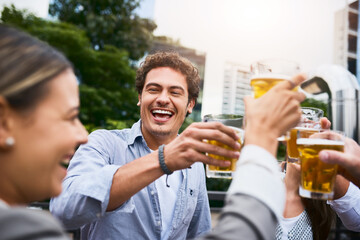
346,37
236,87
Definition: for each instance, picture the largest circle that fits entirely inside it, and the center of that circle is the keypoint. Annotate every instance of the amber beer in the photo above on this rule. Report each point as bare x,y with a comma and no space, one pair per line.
264,82
317,177
294,134
230,168
231,120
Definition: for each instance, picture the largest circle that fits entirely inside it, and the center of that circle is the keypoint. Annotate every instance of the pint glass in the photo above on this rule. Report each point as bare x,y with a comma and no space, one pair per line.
308,125
267,73
236,122
318,178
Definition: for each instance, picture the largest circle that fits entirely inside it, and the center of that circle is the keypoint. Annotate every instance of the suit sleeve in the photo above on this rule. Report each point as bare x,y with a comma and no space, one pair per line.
26,224
255,199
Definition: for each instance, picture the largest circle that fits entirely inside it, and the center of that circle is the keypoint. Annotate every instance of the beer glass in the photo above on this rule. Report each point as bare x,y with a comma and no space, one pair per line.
266,74
236,122
308,125
318,178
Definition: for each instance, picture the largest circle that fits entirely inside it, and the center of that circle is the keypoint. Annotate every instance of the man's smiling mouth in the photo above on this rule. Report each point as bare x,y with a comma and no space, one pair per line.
162,114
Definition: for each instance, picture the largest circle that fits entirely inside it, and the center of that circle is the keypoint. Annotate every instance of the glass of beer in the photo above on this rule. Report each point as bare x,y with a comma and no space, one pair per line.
308,125
318,178
235,122
266,74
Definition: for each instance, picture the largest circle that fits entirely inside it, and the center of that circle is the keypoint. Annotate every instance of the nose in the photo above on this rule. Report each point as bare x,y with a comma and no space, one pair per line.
163,98
82,134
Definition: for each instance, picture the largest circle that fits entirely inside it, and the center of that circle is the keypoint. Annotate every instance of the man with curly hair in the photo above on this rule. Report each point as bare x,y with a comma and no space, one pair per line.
147,182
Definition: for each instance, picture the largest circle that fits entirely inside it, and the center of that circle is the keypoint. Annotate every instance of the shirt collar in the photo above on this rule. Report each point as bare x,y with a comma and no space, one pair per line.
135,132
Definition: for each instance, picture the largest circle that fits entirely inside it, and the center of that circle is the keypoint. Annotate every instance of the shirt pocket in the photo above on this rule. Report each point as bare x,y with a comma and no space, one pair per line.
190,205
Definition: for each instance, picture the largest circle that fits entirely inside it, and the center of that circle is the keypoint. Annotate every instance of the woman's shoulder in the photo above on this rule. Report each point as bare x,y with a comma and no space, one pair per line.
23,223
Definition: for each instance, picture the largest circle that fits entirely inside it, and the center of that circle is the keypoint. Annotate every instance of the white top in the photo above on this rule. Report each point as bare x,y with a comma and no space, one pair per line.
167,197
297,228
257,175
287,224
348,208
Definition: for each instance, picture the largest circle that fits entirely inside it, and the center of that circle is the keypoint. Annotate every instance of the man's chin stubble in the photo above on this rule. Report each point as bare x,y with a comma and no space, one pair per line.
160,133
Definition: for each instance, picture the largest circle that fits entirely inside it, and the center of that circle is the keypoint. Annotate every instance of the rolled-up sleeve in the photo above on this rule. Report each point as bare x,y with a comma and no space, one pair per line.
86,188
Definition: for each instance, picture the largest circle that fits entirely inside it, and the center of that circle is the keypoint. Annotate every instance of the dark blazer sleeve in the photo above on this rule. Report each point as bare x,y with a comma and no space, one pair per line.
29,224
244,217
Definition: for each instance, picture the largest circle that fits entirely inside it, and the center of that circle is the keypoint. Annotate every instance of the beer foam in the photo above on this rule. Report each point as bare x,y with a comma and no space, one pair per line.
270,76
318,141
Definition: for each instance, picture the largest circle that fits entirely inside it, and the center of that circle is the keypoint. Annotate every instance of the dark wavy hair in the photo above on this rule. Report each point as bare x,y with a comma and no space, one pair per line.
172,60
321,215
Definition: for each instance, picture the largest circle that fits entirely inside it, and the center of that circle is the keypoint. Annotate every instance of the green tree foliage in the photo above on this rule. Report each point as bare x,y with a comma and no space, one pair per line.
112,22
107,91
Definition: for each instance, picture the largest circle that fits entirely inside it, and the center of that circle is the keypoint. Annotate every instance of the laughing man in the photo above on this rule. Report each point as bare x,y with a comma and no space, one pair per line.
147,182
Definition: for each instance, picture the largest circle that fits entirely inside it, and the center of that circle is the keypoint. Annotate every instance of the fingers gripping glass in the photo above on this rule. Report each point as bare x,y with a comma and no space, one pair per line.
317,177
236,122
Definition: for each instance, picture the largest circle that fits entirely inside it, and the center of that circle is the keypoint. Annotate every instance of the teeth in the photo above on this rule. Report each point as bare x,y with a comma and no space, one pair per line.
162,112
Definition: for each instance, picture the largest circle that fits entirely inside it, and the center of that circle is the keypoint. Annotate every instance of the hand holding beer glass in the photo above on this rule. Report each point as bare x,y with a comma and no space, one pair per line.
317,177
235,122
308,125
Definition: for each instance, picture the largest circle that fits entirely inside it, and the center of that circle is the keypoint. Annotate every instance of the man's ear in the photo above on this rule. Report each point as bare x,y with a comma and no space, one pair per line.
139,102
190,106
6,121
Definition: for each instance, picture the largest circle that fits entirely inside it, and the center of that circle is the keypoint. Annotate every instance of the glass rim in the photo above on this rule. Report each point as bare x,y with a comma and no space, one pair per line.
300,128
335,136
313,108
258,67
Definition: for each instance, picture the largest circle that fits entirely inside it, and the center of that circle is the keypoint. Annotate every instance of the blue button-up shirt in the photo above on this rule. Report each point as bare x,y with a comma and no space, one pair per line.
86,192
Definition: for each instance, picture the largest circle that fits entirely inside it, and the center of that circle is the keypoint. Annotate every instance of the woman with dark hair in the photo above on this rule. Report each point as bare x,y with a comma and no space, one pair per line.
303,218
39,132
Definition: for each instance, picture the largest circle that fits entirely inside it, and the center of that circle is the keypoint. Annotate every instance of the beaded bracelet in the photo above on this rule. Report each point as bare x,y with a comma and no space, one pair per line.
162,161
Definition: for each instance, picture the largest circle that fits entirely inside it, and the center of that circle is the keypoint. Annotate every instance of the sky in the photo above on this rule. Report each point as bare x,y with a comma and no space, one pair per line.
240,31
244,31
39,7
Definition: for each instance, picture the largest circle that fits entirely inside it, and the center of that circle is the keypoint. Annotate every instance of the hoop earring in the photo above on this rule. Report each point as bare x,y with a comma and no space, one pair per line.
9,141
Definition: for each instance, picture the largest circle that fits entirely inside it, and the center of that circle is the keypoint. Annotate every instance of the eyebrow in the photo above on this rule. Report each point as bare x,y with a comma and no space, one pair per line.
158,85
